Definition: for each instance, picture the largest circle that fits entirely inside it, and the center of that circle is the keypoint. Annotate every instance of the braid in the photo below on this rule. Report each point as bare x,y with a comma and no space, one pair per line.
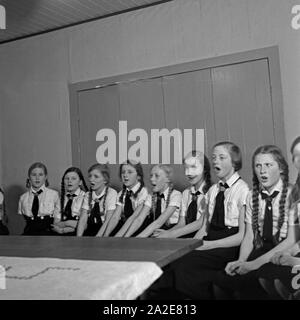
282,203
208,182
84,186
206,174
169,194
104,198
257,241
278,157
168,200
90,199
153,204
62,195
121,199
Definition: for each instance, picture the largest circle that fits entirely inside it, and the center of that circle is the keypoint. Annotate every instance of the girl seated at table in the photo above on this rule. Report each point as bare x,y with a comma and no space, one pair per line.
193,205
40,205
161,209
73,190
278,274
130,200
270,226
99,202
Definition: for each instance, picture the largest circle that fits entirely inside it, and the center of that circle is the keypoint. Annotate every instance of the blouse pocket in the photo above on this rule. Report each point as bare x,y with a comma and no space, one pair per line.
26,210
47,208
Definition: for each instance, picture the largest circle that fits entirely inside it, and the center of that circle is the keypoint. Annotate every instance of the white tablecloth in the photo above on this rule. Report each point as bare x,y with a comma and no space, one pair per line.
47,278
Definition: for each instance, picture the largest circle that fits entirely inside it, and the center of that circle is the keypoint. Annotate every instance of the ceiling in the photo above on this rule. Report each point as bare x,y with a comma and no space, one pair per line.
25,18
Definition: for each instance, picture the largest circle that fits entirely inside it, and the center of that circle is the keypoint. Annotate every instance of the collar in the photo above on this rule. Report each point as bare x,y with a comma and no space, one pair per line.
43,188
94,196
200,189
76,192
277,187
232,180
166,193
135,188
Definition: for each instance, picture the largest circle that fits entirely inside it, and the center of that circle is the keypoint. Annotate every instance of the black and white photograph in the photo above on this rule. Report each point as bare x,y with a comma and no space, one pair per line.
150,153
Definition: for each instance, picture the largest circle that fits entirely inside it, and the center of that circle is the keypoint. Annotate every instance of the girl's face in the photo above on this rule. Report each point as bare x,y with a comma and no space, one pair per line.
296,156
72,182
37,178
193,170
159,179
129,176
267,170
222,163
96,180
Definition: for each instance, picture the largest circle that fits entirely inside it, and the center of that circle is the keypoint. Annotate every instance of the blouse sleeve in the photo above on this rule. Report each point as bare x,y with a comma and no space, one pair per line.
111,200
175,199
248,217
57,213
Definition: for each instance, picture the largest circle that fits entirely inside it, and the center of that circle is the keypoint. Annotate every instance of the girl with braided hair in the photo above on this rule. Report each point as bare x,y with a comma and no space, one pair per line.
193,205
130,200
161,209
73,188
278,274
3,218
269,225
99,202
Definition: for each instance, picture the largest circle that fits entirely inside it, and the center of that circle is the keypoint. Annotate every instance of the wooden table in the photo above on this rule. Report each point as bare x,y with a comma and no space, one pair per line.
160,251
85,268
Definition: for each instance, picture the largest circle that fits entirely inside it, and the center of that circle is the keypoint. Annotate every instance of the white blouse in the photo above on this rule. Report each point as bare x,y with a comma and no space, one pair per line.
187,199
77,202
140,199
49,203
235,199
290,215
110,201
175,201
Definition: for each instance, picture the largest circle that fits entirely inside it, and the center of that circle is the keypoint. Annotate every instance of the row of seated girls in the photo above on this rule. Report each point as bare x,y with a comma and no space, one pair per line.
249,236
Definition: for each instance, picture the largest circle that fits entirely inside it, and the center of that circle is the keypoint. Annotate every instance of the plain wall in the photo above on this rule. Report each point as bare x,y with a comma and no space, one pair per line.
35,72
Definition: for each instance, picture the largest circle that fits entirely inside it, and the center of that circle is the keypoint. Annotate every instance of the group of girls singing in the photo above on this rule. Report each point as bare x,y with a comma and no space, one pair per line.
249,237
99,210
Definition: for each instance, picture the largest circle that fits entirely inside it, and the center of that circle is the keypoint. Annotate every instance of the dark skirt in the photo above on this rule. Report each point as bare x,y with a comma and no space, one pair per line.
192,275
245,286
3,229
272,271
40,226
94,223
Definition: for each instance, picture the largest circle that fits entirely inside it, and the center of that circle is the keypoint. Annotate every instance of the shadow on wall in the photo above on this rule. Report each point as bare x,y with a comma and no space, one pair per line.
16,222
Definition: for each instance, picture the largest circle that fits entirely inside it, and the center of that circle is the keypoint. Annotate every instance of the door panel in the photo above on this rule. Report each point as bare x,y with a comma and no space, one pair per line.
188,104
242,107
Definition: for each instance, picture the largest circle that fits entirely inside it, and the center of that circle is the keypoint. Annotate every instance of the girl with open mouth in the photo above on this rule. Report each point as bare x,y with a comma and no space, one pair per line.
99,202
